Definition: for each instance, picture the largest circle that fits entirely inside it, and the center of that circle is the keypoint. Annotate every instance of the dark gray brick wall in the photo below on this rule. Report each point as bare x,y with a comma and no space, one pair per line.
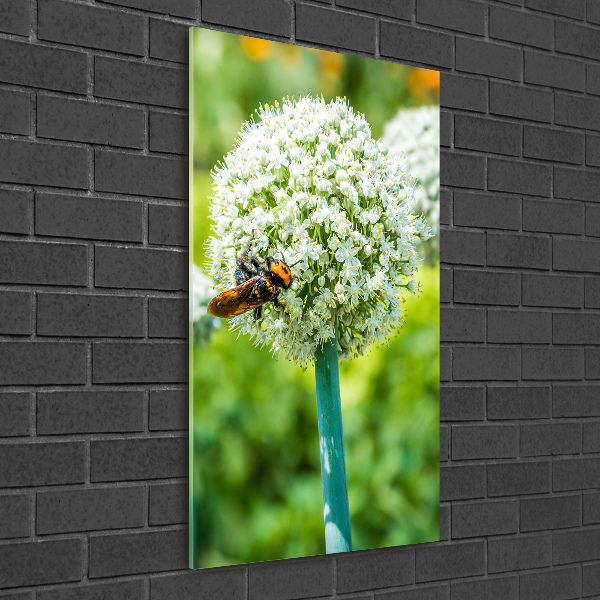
93,280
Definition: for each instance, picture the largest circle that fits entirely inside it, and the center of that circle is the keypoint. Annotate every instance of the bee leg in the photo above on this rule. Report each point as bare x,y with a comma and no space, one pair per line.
257,313
276,303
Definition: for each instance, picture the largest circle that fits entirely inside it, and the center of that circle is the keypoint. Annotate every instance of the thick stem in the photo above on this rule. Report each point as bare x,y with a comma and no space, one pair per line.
338,537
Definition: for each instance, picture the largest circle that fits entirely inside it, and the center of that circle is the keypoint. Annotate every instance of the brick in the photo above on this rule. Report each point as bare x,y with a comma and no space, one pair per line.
484,441
462,247
122,590
520,27
444,443
168,504
14,17
576,546
90,26
577,111
272,17
459,91
437,592
485,363
141,175
592,292
552,290
553,144
445,363
546,439
89,412
592,220
545,69
592,12
168,317
43,263
325,26
405,42
41,563
487,287
135,459
477,519
14,516
575,184
487,210
143,552
42,363
168,132
15,408
446,285
183,8
520,102
462,403
515,250
168,224
399,9
203,583
375,569
552,363
140,268
558,584
88,218
529,178
169,41
552,217
92,122
488,589
575,474
461,15
168,410
89,510
576,401
488,58
557,512
43,67
576,328
592,363
26,464
591,508
14,111
574,9
122,362
591,438
487,135
15,313
90,315
577,39
591,579
574,255
519,327
464,559
592,150
14,211
462,482
462,170
511,479
301,579
515,554
462,324
35,163
518,403
140,82
446,125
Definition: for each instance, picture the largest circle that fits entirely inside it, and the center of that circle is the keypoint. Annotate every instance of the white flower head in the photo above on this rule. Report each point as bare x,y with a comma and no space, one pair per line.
310,185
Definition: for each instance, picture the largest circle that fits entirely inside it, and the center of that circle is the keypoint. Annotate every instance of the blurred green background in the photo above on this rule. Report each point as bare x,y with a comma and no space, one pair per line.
255,489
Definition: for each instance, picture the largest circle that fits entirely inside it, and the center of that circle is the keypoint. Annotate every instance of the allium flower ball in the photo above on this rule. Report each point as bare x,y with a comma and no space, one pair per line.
203,324
415,133
312,185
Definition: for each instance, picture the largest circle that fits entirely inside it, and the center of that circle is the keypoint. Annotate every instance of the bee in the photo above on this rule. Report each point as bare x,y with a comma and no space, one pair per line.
257,282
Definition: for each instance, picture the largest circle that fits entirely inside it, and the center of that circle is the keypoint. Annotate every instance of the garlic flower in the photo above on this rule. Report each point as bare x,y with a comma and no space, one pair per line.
312,185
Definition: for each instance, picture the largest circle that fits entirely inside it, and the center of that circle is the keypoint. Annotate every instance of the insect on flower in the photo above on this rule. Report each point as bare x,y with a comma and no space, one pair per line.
257,282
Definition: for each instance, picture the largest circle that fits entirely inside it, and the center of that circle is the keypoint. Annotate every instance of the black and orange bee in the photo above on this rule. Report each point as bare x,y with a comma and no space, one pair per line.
257,282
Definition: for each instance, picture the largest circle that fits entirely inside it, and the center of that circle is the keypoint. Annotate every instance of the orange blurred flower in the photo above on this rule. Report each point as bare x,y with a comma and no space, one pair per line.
331,63
422,82
257,49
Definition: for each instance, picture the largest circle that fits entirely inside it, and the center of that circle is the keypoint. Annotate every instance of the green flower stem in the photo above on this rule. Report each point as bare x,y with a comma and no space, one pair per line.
338,536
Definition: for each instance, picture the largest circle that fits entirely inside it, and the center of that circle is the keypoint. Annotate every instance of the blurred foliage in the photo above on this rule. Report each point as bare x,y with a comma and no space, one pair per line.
256,469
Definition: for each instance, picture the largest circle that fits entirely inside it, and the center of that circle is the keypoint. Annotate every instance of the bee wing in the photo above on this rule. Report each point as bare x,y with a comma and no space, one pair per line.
235,301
